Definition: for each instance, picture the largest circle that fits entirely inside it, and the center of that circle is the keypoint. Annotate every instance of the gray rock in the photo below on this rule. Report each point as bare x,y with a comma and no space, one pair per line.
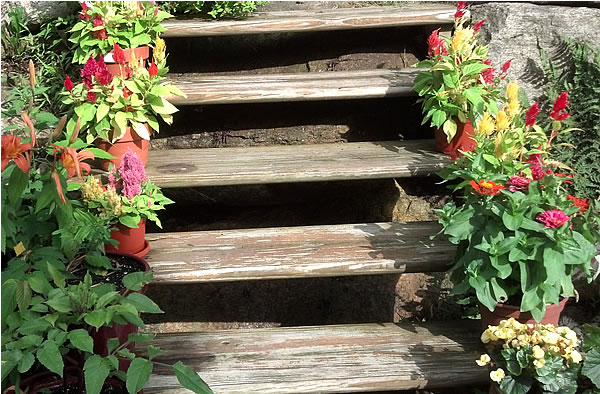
39,12
517,31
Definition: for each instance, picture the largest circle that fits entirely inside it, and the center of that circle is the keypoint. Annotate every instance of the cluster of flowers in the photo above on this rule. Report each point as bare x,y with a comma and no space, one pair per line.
135,10
538,340
487,125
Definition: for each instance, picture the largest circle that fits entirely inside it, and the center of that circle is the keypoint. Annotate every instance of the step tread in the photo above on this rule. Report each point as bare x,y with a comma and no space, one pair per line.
293,163
297,252
327,359
267,88
314,20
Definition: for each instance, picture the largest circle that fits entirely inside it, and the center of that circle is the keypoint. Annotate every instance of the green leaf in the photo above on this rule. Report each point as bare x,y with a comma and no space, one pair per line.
138,374
153,351
438,118
189,379
26,362
136,280
449,129
121,120
591,366
50,357
17,183
23,295
61,303
130,221
101,111
33,326
554,264
516,384
81,340
10,359
57,277
8,299
143,303
38,283
512,222
476,68
96,318
96,370
86,112
162,106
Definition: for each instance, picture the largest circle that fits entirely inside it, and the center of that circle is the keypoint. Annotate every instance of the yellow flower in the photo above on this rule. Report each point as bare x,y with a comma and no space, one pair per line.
159,49
502,121
513,108
483,360
551,338
114,201
91,189
497,375
460,38
488,336
512,91
575,356
486,124
538,352
539,363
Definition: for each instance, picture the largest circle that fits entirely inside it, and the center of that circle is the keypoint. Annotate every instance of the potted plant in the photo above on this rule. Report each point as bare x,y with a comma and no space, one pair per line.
536,358
520,234
128,200
132,25
457,84
48,336
120,114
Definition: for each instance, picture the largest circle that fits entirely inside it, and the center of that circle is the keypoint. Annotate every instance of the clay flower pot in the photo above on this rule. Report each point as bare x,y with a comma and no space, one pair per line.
463,140
129,141
504,312
131,240
119,70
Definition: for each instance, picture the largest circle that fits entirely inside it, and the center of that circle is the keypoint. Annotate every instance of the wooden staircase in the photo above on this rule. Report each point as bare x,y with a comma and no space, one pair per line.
335,358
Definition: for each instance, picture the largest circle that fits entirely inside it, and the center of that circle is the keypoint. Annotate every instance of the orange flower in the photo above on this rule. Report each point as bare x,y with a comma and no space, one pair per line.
583,205
486,188
73,161
58,186
13,149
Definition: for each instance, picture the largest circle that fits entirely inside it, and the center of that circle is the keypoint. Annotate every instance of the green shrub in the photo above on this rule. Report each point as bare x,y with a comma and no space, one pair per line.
216,9
576,68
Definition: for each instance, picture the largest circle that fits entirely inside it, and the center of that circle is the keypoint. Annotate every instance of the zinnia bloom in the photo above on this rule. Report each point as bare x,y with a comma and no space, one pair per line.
553,218
518,183
435,44
486,188
531,115
478,25
72,161
153,70
583,205
560,104
13,149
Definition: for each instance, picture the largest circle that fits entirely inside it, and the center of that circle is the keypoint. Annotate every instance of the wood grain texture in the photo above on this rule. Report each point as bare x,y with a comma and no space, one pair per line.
326,359
315,20
297,252
334,85
293,163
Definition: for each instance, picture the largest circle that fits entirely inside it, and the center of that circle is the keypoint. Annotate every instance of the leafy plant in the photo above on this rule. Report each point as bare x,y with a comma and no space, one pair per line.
45,321
591,347
103,24
578,71
215,9
520,234
458,81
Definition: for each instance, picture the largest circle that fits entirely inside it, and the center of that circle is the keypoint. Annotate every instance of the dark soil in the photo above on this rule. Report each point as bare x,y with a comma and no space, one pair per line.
123,266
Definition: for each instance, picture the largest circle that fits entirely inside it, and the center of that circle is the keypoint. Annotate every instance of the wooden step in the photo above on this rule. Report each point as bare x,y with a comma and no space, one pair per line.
333,85
326,359
293,163
297,252
315,20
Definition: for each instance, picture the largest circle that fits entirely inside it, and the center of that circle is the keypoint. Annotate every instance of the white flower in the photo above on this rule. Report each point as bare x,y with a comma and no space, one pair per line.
483,360
538,352
539,363
575,356
497,375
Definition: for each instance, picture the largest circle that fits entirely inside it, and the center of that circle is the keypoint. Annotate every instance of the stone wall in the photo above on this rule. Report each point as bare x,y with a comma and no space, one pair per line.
518,30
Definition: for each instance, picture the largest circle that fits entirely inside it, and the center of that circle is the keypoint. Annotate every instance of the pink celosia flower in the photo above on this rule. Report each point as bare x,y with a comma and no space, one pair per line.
553,218
132,174
518,183
112,181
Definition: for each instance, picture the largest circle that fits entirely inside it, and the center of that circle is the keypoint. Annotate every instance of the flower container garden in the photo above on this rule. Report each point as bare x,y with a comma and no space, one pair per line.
505,311
123,70
129,141
131,240
463,140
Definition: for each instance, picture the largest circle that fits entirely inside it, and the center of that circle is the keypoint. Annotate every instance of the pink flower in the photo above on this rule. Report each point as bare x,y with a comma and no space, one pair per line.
436,44
531,115
560,104
91,96
553,218
518,183
89,69
506,66
478,25
112,181
537,170
132,174
488,73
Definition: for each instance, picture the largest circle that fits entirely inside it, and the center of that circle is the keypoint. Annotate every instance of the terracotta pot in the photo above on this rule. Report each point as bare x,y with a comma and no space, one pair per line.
131,240
120,331
130,141
463,140
119,70
503,312
47,381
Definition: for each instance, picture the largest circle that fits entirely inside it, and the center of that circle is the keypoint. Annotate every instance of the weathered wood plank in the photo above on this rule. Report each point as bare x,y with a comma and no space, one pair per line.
326,359
335,85
293,163
297,252
315,20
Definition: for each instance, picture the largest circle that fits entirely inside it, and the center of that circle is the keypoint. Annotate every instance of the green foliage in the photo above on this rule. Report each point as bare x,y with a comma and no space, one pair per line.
49,49
215,9
591,345
578,71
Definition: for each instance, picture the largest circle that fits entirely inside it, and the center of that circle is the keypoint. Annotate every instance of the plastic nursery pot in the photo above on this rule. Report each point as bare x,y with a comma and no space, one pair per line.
118,70
129,141
46,382
463,140
120,331
504,312
131,240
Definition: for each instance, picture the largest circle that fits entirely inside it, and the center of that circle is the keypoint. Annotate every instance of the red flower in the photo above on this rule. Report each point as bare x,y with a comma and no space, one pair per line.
155,11
560,104
583,205
436,44
126,93
460,9
91,96
99,34
478,25
13,149
537,171
119,54
562,175
68,84
488,74
89,69
153,70
505,66
486,188
531,115
73,161
83,15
